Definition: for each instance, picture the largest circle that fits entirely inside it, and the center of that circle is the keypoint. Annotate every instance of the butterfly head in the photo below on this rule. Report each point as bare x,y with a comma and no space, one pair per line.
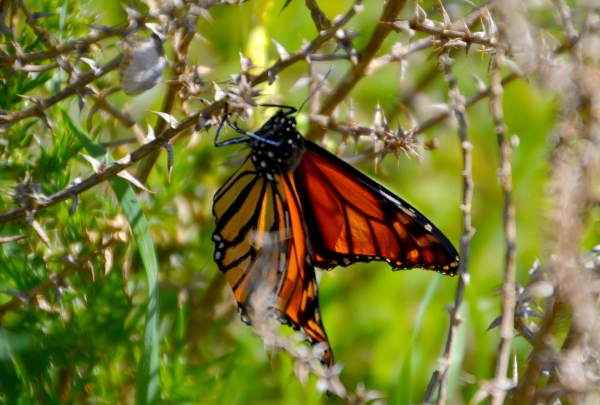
280,146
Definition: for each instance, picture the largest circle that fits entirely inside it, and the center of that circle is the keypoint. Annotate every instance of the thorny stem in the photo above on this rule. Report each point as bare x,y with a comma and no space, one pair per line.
446,34
46,37
465,240
420,128
38,109
267,74
186,124
508,216
572,35
113,169
391,10
539,354
574,170
407,96
328,123
60,49
323,37
320,19
181,54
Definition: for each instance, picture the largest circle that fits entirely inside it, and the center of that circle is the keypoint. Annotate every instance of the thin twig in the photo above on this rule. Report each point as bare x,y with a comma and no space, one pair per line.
320,19
113,169
391,10
267,74
7,239
118,142
465,240
431,387
443,34
39,108
571,33
188,31
356,130
45,36
60,49
307,49
508,216
120,115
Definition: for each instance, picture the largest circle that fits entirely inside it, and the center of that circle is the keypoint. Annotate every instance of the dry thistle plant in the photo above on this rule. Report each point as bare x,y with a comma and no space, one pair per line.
66,244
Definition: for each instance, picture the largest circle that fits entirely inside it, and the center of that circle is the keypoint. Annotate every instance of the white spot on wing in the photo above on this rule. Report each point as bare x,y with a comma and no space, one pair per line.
391,198
407,212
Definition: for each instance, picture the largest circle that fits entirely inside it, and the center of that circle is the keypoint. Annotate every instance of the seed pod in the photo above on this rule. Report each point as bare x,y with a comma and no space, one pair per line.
143,61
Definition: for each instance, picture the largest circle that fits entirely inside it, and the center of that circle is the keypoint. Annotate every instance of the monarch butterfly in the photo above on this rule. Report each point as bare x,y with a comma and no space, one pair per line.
293,206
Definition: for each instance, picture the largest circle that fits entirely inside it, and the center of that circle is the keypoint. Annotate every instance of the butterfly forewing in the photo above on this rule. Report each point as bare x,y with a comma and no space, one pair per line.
351,218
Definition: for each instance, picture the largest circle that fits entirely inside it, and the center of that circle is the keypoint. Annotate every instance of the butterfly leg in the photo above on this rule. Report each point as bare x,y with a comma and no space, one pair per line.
251,135
225,119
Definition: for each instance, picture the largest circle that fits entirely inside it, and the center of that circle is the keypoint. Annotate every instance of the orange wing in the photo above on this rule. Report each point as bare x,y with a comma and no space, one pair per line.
261,245
350,218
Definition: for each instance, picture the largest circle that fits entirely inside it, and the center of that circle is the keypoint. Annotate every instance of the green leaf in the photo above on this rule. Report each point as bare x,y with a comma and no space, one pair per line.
403,395
147,376
11,343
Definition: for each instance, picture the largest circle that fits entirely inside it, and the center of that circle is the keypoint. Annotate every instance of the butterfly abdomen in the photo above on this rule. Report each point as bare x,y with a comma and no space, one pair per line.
279,148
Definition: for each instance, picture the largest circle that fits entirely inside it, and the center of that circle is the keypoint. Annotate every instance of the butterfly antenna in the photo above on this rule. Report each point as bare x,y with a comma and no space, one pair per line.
317,89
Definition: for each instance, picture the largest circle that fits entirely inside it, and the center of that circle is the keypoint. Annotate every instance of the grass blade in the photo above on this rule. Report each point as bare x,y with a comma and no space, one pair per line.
403,393
147,377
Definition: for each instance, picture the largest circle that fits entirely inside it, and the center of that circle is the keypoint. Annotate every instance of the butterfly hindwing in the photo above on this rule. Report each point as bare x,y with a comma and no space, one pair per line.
299,291
351,219
251,239
261,245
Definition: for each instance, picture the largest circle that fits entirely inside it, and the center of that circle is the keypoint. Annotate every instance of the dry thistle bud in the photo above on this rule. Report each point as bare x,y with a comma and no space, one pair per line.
143,61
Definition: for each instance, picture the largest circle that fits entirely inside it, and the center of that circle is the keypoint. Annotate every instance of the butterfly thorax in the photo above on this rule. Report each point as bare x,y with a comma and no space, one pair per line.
280,146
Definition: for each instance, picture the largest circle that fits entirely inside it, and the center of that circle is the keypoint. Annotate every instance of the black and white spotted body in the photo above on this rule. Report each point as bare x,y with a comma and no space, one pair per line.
278,146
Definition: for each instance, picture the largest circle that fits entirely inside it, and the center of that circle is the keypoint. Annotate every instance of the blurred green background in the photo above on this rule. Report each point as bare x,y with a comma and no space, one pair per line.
86,347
